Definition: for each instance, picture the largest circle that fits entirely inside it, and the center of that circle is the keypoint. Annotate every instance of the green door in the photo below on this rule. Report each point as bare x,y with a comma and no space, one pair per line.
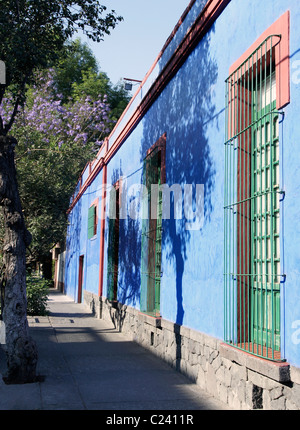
151,236
265,217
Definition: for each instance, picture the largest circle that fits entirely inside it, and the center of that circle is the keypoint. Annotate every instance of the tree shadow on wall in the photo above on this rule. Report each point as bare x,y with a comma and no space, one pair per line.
129,256
130,263
73,249
184,111
129,268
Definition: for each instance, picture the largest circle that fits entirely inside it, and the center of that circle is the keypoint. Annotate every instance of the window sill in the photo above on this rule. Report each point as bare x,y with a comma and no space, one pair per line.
278,371
114,304
154,321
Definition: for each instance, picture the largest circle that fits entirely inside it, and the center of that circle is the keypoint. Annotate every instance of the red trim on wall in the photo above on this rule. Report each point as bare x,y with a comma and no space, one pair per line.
282,57
92,175
102,228
168,41
207,17
205,20
95,203
177,26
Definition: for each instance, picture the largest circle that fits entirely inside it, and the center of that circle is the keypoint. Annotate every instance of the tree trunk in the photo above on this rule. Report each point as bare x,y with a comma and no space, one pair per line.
21,351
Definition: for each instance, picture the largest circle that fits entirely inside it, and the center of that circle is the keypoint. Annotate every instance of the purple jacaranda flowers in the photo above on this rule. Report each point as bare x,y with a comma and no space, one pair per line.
76,122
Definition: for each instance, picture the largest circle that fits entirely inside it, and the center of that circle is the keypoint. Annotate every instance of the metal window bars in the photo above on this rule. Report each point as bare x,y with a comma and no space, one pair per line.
251,206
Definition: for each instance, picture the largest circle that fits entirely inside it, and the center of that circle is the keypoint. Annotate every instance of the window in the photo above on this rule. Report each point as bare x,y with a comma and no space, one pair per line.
252,202
92,220
153,174
113,243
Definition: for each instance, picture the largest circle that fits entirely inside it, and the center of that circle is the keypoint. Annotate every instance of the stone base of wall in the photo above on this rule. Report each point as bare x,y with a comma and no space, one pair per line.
241,380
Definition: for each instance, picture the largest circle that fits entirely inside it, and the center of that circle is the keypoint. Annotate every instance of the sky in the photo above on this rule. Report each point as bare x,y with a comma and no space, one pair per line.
132,47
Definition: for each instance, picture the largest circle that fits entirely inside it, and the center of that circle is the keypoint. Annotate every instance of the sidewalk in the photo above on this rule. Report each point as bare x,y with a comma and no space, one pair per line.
87,364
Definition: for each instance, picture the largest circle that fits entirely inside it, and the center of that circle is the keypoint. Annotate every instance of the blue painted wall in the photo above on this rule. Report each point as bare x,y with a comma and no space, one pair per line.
127,166
190,110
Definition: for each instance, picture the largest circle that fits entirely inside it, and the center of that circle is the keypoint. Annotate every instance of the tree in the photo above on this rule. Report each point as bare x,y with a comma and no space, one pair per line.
93,84
74,80
56,99
31,34
55,141
74,60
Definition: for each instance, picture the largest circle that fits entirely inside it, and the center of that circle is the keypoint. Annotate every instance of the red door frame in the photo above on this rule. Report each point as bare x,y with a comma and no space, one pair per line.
80,279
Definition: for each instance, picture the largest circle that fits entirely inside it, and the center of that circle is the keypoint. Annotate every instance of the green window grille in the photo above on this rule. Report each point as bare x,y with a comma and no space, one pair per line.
92,221
251,206
151,234
113,244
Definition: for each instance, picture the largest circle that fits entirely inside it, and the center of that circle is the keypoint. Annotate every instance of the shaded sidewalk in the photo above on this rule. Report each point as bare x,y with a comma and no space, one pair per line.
88,365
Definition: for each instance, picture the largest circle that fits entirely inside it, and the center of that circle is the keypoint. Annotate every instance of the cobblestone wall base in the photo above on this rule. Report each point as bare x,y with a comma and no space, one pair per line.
241,380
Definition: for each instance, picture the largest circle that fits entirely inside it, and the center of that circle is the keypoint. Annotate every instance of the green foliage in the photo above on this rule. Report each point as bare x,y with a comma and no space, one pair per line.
46,182
77,74
50,157
33,33
75,59
34,36
94,84
48,160
37,290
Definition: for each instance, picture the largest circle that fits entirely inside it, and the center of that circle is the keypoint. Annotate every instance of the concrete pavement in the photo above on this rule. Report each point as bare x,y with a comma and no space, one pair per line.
88,365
